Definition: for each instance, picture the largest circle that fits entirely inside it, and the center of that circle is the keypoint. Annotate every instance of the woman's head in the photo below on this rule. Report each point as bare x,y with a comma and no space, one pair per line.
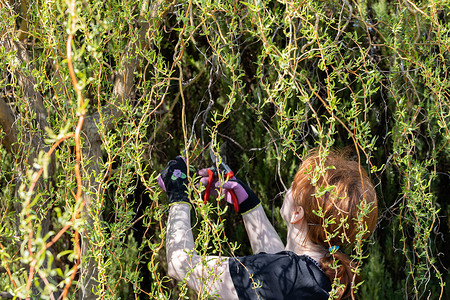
338,199
339,204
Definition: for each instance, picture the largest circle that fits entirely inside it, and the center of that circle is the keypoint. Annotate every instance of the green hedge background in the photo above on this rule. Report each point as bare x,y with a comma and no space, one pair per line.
97,96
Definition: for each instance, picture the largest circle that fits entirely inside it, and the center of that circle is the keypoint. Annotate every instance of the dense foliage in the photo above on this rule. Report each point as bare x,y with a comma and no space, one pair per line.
96,97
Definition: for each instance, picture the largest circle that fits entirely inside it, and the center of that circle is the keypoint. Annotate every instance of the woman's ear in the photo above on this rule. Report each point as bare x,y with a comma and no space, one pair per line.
298,215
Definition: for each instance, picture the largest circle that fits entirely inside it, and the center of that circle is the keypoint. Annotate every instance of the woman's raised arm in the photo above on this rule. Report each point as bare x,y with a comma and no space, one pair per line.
261,233
208,274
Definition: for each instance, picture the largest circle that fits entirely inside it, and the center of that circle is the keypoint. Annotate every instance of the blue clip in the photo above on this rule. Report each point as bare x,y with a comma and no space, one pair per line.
333,249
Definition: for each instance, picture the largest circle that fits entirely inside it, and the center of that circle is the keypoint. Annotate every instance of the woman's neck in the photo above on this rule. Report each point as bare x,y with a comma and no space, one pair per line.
298,242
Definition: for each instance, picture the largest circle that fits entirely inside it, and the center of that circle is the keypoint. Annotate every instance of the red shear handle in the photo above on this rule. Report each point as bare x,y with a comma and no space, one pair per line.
208,187
235,200
232,193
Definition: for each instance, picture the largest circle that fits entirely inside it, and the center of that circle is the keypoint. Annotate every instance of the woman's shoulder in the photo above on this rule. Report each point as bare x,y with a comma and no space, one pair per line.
283,273
284,261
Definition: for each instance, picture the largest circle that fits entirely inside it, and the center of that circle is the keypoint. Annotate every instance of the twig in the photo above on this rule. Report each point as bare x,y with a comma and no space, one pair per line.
175,101
8,271
350,14
82,113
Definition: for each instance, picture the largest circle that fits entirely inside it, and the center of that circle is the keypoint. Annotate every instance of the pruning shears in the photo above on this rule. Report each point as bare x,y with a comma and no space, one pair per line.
226,170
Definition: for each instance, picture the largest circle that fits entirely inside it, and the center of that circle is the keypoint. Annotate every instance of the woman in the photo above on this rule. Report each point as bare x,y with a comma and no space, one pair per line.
331,202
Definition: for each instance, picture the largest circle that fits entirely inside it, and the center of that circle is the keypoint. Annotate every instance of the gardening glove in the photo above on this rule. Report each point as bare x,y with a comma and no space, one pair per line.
173,180
247,199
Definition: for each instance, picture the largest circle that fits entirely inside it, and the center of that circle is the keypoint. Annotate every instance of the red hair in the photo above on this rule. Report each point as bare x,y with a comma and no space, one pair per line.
340,203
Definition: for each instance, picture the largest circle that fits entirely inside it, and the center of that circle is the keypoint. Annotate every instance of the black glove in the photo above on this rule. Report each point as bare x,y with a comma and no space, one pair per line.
247,199
173,180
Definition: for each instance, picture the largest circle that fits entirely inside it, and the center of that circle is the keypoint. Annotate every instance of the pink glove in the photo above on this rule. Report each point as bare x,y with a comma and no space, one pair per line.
247,199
